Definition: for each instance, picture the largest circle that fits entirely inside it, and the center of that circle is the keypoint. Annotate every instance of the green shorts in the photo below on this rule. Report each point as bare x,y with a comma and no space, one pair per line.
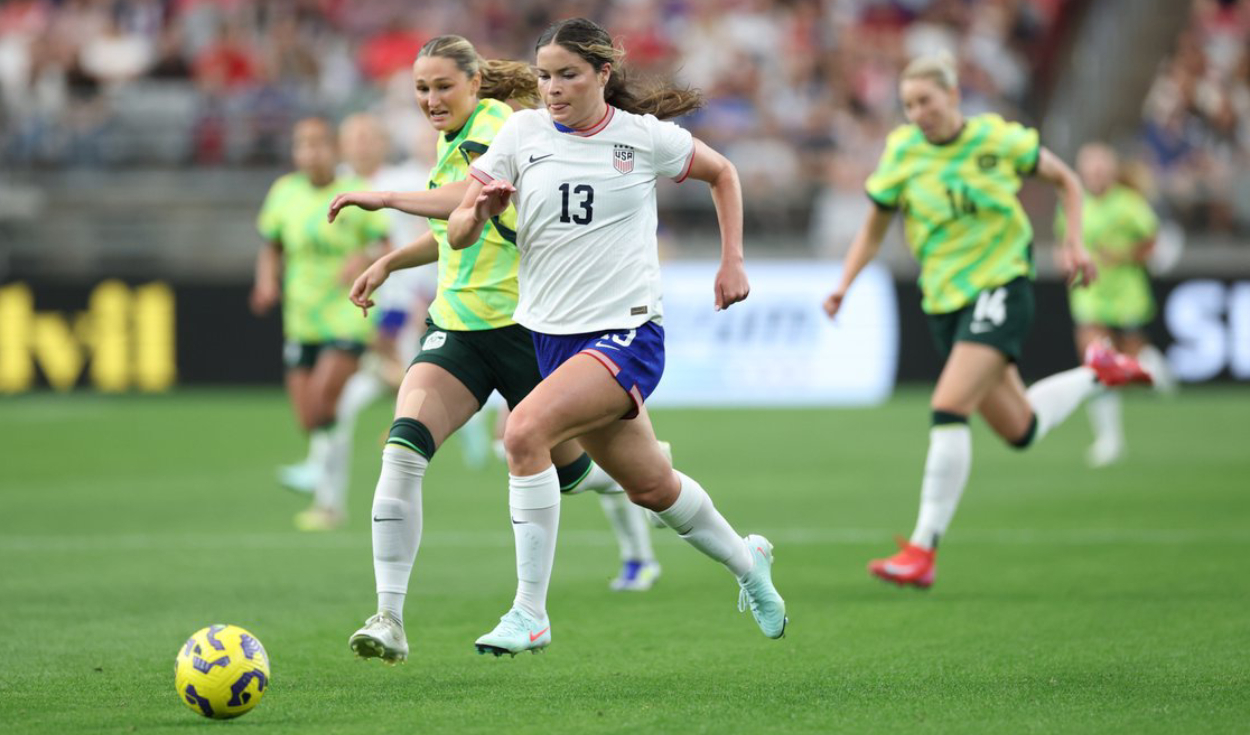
999,317
303,355
485,361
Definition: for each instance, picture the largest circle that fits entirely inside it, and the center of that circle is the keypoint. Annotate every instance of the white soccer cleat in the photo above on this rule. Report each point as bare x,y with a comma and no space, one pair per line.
758,592
1104,453
381,637
518,631
300,478
636,576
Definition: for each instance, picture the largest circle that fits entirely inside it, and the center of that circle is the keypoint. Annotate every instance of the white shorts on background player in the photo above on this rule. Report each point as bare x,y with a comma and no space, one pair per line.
586,216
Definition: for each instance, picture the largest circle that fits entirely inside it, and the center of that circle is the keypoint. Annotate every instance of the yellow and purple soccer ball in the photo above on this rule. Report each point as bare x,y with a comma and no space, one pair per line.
222,671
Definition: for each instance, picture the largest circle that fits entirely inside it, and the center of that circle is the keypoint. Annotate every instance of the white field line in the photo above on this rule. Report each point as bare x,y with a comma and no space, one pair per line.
226,541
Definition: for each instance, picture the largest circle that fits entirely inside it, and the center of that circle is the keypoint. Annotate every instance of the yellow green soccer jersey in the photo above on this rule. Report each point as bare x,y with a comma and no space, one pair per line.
477,286
1114,225
315,304
961,215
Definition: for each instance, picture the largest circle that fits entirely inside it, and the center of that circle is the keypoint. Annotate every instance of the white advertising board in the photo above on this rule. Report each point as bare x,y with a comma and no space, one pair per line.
778,348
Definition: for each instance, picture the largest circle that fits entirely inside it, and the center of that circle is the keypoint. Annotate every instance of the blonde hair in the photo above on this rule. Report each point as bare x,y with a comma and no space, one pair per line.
939,68
501,80
659,96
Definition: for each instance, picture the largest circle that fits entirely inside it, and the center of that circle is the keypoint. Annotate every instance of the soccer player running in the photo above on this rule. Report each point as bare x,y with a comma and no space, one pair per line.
956,179
309,265
473,346
583,172
1119,229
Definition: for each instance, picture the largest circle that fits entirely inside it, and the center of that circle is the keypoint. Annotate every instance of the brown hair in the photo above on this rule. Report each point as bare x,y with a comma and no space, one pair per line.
661,97
501,80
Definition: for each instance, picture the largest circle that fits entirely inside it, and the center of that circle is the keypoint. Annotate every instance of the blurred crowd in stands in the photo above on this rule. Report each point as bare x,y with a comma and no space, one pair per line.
1196,120
801,92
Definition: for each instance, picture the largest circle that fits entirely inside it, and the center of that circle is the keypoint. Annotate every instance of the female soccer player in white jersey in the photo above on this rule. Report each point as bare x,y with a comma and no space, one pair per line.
955,180
583,173
473,347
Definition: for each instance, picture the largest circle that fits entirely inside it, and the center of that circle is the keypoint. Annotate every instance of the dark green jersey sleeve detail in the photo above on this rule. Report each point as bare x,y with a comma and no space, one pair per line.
505,232
472,146
883,206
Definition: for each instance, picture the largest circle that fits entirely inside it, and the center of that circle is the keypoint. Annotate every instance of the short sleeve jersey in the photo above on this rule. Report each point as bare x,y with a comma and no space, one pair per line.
586,218
1113,226
315,304
477,286
961,215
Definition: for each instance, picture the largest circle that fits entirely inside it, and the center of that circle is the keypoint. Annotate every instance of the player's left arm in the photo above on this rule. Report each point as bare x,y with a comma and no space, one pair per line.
1078,267
422,251
708,165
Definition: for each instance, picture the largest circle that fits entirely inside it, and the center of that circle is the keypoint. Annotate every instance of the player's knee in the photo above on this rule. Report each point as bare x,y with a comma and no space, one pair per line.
413,435
525,436
653,490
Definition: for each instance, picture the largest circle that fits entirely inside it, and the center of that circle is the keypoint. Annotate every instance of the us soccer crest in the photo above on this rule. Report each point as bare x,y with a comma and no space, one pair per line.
623,158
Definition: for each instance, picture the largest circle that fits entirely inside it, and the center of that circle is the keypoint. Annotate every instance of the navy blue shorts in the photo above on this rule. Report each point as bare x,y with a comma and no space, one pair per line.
635,357
392,321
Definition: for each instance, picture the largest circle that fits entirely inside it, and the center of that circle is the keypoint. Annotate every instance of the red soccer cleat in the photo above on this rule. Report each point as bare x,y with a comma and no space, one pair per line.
914,565
1114,368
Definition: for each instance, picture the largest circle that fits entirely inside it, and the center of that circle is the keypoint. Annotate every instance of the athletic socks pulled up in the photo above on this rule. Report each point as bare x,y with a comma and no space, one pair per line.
696,520
534,501
946,472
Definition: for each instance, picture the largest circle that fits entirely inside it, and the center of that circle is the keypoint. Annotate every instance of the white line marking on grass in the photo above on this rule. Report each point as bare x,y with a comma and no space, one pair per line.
225,541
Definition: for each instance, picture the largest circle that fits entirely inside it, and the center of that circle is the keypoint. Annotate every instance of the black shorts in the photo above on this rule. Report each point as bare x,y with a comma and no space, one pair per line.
485,361
999,317
303,355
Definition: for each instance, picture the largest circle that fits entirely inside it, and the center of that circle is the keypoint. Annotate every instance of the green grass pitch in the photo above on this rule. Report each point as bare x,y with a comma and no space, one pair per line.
1067,600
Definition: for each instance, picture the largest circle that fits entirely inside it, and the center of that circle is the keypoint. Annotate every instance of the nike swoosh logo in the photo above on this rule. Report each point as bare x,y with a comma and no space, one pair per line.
515,522
602,346
900,570
379,520
539,634
535,159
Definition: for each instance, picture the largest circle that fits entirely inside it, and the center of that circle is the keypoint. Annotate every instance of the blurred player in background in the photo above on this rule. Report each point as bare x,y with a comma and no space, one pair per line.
585,169
1119,229
309,265
473,346
955,180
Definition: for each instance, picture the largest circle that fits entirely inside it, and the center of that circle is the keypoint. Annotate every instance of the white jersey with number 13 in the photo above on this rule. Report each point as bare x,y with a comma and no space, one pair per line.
586,218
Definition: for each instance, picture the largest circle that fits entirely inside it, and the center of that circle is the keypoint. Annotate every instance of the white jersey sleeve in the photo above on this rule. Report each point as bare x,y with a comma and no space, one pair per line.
499,160
673,148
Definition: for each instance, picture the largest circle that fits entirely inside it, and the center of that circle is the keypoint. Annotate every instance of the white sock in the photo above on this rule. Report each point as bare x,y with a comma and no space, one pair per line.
318,448
361,390
331,490
598,480
535,504
696,520
945,475
1105,419
396,525
629,523
1056,397
475,438
1157,365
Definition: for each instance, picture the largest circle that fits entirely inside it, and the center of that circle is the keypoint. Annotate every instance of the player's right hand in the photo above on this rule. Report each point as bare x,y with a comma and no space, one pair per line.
364,286
370,201
263,297
493,200
834,303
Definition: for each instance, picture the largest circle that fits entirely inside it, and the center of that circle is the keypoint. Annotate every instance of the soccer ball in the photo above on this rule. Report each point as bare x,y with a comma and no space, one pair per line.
221,672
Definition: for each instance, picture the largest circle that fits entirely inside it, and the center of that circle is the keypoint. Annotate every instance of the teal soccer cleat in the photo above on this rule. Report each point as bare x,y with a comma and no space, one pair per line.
758,591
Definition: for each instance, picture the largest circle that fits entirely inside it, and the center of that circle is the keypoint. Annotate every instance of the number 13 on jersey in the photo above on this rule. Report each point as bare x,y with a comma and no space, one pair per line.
586,193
